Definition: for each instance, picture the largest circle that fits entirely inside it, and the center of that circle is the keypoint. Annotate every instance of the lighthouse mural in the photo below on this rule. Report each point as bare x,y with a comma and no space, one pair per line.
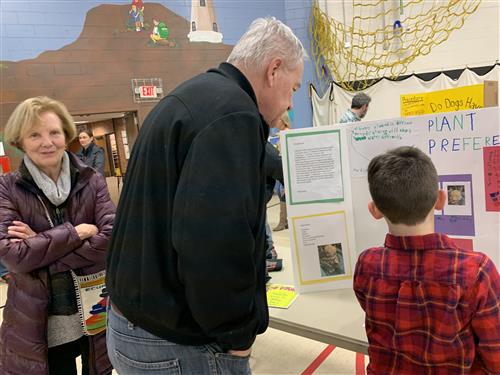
204,26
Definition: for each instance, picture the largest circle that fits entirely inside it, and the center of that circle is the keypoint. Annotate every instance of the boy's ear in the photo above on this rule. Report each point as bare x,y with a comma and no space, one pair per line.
441,200
374,211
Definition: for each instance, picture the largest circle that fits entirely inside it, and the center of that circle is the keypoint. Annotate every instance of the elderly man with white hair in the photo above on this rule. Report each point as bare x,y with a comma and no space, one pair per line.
186,264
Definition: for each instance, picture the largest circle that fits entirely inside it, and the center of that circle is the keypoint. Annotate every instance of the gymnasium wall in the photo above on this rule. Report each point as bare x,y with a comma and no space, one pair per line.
475,43
86,53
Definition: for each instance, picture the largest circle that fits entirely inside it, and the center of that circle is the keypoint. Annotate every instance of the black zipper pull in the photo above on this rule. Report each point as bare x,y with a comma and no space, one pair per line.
59,216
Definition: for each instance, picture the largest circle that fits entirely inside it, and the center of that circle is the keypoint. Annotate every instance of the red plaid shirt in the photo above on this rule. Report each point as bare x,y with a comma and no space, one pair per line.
431,308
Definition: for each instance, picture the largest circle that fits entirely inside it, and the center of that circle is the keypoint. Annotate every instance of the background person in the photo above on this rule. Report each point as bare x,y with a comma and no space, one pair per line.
430,305
359,108
186,265
90,153
274,175
283,124
56,216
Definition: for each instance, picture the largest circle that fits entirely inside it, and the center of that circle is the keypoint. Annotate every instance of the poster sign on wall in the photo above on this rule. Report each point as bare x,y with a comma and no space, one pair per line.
451,100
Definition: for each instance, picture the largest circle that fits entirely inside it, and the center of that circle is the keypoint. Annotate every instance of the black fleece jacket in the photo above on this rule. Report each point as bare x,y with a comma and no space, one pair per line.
186,260
274,169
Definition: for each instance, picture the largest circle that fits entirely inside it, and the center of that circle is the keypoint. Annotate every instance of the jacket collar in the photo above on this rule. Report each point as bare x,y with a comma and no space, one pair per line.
233,73
230,71
87,151
80,175
431,241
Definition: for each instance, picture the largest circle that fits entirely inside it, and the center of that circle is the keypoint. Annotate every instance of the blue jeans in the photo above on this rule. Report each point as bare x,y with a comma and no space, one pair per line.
133,350
269,240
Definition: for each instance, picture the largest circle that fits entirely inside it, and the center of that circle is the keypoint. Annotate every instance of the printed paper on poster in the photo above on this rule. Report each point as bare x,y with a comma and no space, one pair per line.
322,247
314,167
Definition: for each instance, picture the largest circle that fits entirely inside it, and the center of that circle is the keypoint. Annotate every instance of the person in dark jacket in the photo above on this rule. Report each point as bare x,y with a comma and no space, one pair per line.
186,263
274,176
283,124
90,153
274,172
56,216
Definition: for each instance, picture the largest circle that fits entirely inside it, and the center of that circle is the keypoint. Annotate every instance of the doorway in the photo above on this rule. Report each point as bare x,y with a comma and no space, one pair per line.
115,133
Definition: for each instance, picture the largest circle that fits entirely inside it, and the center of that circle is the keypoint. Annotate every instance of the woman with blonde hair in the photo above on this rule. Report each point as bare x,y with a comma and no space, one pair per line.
56,217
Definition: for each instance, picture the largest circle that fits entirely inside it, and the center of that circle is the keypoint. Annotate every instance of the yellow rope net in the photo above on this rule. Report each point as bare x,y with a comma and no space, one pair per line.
383,37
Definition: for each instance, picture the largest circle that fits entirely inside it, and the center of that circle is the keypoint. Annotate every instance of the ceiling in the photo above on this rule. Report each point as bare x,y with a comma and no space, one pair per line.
84,119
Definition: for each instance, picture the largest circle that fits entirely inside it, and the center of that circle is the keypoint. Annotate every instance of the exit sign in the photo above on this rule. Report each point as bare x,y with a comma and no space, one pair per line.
147,91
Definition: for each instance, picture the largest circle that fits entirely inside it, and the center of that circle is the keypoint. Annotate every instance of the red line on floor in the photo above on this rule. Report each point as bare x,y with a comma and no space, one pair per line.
360,364
319,360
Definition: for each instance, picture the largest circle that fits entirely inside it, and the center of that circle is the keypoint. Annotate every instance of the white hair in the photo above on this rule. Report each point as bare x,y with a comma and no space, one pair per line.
265,39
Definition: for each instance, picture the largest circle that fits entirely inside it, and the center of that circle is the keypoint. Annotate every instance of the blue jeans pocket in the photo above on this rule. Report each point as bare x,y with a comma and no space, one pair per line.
232,364
170,367
134,351
228,363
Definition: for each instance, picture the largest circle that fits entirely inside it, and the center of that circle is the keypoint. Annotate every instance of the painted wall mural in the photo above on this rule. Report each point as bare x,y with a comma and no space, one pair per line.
155,30
88,54
204,26
117,45
136,12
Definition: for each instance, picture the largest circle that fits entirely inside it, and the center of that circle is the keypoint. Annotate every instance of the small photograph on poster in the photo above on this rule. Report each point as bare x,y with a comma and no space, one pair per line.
456,195
457,216
459,199
331,259
321,247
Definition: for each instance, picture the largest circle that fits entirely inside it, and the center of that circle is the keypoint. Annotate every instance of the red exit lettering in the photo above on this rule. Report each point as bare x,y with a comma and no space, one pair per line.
148,92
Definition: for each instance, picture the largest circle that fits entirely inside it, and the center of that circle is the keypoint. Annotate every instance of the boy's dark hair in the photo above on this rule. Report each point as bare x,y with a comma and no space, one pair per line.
403,184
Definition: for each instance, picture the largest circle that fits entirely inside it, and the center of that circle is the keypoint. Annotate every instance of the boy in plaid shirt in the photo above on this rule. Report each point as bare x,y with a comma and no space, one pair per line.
431,307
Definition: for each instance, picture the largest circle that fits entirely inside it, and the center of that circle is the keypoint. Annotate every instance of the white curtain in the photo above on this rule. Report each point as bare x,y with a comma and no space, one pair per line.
386,94
323,107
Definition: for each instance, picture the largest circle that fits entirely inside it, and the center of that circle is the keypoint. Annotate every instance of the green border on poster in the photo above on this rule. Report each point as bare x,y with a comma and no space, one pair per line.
303,134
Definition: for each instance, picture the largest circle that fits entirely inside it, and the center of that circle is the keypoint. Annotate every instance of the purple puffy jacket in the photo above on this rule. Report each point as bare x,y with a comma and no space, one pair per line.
23,335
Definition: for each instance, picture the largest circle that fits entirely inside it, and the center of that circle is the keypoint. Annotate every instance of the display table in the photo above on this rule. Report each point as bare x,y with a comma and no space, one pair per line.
333,317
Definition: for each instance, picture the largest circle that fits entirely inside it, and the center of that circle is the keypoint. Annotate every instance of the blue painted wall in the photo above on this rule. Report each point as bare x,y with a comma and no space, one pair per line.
30,27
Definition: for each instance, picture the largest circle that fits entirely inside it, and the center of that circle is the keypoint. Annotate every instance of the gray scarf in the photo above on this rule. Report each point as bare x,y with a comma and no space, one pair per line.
56,193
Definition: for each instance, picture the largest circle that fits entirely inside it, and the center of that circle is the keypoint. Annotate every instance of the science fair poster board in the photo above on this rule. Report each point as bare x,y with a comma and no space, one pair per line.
328,216
316,174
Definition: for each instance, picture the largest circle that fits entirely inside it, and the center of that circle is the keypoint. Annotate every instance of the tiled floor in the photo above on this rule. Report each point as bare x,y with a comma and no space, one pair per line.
276,352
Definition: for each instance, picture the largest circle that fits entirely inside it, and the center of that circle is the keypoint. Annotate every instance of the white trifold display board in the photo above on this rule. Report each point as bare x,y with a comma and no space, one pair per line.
327,188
